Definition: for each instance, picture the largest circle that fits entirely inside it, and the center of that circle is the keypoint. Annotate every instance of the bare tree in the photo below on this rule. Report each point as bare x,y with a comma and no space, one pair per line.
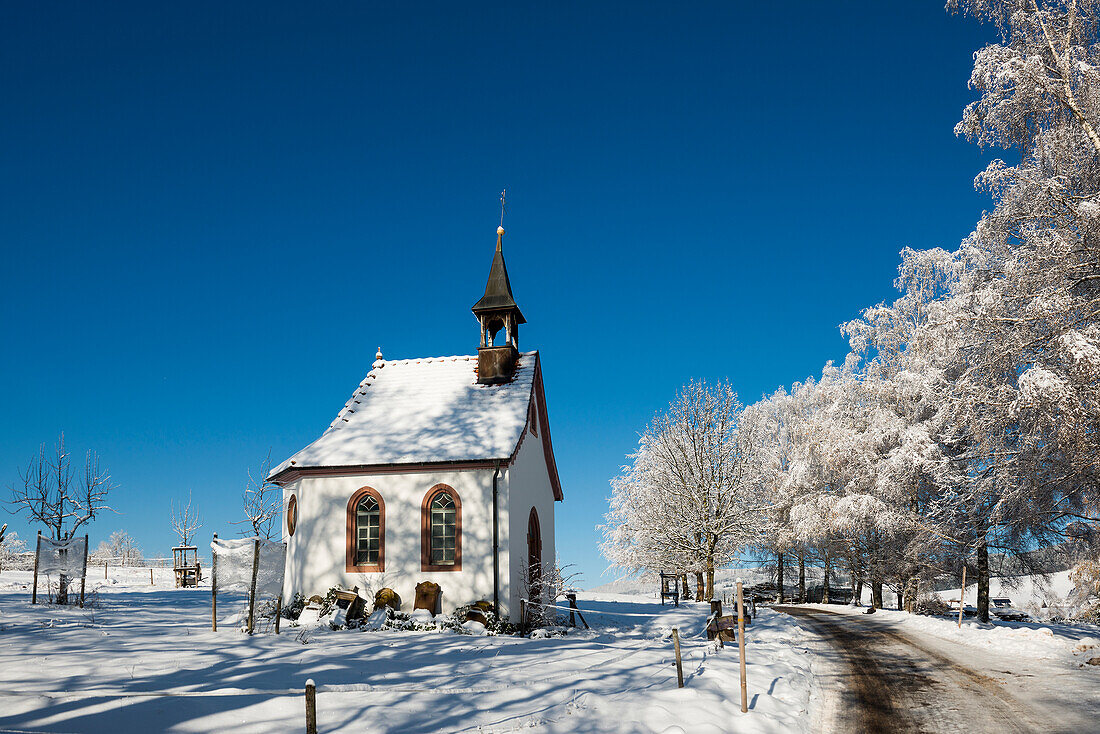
185,521
49,494
263,501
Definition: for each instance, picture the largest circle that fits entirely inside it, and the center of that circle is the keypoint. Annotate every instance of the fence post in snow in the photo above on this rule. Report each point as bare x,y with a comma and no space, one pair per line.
741,646
679,664
311,707
34,588
214,583
84,571
962,598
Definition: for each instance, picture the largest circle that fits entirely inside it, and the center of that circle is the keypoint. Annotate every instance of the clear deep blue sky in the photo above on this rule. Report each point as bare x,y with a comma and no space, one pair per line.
211,216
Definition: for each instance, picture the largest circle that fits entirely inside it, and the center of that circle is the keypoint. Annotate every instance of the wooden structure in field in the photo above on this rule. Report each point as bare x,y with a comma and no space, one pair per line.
670,587
185,563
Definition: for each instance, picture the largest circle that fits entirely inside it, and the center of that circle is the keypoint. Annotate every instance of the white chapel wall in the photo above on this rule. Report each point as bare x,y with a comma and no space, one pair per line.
528,486
316,552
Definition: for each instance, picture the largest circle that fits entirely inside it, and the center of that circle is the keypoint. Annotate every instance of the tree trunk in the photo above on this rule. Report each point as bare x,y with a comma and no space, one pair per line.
710,579
902,588
876,593
983,582
687,592
801,577
825,587
700,588
62,589
858,594
779,577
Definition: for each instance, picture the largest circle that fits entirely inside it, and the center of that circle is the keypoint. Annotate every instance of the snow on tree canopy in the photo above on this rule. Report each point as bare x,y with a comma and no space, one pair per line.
425,410
63,557
234,565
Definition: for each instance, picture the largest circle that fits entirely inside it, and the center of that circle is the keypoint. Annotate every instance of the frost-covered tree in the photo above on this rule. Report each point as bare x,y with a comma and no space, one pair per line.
11,547
122,548
686,502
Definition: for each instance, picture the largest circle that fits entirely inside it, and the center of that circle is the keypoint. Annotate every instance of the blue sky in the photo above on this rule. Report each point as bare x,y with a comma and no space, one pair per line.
212,214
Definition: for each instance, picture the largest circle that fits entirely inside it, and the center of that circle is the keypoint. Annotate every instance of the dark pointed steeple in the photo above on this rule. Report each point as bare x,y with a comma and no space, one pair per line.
498,290
496,312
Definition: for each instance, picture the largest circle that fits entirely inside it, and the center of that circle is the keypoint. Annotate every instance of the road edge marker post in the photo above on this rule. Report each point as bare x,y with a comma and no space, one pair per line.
962,598
741,646
679,664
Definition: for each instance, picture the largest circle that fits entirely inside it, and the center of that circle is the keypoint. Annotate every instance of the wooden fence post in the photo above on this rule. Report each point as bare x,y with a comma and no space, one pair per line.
214,582
105,570
252,589
84,573
572,599
278,612
311,707
37,548
150,575
679,663
962,598
741,646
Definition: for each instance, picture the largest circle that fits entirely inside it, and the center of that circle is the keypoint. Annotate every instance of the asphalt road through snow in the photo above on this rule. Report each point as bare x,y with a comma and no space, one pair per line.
880,680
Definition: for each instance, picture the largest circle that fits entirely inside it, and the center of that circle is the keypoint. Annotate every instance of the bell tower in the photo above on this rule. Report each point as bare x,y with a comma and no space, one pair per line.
500,318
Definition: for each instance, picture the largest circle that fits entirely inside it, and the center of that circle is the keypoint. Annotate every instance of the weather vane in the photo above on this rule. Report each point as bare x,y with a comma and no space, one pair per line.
502,192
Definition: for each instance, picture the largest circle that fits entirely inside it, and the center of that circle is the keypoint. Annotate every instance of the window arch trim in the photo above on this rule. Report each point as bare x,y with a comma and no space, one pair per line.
349,557
426,530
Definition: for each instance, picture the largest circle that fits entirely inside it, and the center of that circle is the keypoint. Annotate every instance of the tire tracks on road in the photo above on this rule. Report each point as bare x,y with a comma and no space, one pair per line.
892,683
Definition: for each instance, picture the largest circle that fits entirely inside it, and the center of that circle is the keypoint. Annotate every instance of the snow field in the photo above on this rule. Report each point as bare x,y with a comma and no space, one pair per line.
144,658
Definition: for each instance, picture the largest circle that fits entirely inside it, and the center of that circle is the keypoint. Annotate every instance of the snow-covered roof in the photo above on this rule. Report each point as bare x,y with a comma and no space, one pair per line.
413,411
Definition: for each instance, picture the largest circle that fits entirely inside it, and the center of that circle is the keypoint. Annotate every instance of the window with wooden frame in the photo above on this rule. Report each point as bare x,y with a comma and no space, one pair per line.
291,514
441,530
366,532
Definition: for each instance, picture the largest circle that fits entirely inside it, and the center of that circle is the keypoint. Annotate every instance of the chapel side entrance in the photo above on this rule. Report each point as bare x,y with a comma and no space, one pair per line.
534,555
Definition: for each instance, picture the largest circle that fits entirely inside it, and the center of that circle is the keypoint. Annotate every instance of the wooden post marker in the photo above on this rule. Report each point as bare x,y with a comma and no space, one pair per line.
37,548
279,612
105,569
311,707
962,598
150,576
741,646
252,589
679,663
214,583
84,571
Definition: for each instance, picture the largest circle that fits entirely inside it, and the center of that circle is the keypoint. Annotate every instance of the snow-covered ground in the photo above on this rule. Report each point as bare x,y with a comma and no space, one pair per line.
144,658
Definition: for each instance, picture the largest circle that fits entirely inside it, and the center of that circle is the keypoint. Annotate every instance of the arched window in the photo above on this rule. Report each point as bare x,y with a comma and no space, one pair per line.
366,532
441,530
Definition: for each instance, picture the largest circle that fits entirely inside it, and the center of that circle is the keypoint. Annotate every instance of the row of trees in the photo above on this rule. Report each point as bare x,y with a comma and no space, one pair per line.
966,419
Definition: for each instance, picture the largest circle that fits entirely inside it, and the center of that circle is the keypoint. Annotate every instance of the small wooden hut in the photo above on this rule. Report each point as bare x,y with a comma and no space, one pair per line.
185,562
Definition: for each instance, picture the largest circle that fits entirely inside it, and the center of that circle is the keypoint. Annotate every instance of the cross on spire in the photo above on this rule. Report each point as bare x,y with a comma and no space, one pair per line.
502,192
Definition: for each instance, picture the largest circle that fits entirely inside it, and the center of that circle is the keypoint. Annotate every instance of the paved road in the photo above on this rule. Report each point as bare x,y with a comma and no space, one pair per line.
881,680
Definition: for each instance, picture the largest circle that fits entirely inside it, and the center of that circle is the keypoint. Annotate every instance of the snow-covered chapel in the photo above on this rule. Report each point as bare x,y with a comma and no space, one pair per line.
436,469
